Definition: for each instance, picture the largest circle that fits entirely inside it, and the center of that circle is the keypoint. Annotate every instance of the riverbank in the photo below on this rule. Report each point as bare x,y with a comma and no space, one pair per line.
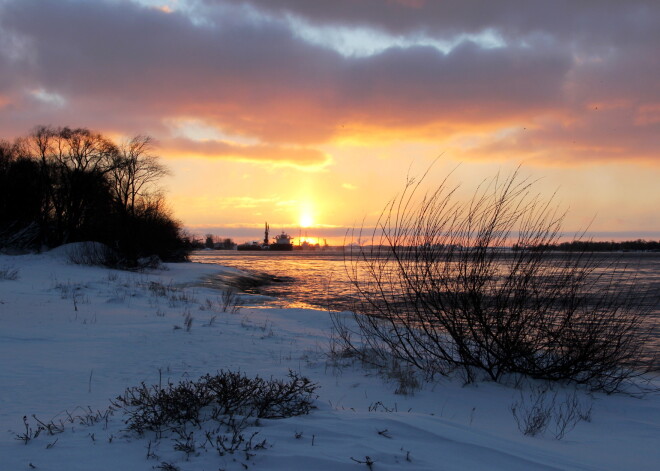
73,337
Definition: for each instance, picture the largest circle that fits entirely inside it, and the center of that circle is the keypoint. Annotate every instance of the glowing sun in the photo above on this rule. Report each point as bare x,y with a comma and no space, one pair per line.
306,220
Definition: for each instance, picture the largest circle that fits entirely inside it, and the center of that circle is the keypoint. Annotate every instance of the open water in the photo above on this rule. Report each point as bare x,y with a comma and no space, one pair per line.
320,280
316,279
298,279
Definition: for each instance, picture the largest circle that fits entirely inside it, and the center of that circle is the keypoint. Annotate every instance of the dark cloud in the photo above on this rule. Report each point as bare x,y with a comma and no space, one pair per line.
421,84
123,67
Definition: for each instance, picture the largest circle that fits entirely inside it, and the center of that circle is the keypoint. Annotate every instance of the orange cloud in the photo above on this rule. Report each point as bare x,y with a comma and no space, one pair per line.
297,157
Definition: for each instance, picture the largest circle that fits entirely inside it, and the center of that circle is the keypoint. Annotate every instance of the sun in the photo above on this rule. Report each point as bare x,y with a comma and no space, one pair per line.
306,219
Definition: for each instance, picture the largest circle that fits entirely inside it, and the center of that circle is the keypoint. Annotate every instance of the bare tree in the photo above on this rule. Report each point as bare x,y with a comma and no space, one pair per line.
59,185
83,150
438,289
74,163
38,144
136,172
72,149
7,155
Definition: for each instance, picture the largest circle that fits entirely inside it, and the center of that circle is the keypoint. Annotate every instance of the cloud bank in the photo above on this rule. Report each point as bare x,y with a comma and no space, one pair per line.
561,82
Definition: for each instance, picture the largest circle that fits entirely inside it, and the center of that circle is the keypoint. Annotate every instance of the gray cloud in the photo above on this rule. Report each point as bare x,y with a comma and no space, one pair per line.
591,21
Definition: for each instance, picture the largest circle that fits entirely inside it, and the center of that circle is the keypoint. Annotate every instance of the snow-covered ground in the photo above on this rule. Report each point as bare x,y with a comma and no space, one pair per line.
73,337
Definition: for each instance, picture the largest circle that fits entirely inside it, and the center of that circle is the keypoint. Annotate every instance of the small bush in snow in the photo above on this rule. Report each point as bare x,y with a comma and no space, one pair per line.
221,397
542,409
92,253
229,301
8,274
87,417
211,413
228,400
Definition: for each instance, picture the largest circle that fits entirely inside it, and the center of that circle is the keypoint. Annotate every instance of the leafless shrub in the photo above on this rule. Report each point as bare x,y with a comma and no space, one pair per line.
185,442
17,239
174,295
180,297
229,301
221,407
94,254
29,433
568,413
378,406
165,466
438,287
214,411
9,274
543,407
86,417
151,262
157,288
533,415
69,290
224,397
187,321
405,377
367,461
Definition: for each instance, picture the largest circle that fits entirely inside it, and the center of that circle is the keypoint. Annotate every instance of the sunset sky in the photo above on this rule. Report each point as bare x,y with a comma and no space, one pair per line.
311,113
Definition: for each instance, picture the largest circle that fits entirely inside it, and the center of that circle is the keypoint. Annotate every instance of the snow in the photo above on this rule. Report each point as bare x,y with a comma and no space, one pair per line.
73,337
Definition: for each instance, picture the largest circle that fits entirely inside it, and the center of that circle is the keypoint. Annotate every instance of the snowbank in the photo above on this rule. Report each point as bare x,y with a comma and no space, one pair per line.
73,337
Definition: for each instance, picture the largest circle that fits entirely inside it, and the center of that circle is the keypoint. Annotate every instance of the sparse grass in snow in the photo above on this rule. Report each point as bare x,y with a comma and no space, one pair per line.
226,302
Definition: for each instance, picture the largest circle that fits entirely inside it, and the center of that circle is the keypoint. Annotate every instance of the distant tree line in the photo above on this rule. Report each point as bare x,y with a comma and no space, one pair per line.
638,245
62,185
